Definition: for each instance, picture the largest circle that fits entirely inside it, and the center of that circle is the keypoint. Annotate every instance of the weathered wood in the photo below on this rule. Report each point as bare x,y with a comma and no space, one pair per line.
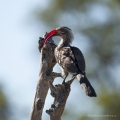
47,63
46,77
60,93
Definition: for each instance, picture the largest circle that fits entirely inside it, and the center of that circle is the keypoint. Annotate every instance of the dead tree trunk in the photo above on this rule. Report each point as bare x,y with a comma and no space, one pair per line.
46,77
47,63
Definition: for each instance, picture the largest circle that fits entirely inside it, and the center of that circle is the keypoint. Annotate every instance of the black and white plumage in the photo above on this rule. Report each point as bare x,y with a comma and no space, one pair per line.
71,59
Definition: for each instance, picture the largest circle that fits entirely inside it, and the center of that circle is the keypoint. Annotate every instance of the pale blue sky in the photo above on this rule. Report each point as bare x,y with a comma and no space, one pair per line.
19,57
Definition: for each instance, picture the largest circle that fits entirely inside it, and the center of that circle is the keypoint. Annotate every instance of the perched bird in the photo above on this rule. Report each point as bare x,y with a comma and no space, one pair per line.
70,59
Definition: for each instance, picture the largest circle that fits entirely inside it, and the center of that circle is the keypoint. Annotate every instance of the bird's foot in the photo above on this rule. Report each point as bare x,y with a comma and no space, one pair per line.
63,82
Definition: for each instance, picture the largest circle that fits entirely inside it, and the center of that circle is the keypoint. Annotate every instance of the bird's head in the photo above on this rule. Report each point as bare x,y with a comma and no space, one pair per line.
64,32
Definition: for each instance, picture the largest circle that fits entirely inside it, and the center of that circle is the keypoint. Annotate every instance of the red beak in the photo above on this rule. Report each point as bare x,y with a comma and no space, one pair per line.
49,35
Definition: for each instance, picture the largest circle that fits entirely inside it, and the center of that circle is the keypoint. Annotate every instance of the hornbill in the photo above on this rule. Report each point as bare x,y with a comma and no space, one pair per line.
70,59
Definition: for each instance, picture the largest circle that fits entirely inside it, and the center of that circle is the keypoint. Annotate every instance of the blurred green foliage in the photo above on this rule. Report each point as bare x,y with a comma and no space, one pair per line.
3,106
110,104
98,22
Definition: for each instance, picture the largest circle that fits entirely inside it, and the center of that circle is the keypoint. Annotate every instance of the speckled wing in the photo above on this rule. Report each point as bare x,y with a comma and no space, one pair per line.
66,60
79,58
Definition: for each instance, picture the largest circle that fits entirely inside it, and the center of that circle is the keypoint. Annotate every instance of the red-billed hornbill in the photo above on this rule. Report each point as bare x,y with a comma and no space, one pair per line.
70,59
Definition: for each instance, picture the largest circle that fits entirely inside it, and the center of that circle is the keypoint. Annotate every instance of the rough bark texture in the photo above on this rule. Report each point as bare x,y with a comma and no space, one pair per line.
60,93
46,77
47,63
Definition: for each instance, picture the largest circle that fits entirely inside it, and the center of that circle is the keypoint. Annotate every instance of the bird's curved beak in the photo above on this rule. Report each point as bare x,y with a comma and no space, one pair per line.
49,35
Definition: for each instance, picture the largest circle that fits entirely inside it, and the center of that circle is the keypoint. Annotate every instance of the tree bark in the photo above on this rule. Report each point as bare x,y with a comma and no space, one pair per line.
60,93
47,63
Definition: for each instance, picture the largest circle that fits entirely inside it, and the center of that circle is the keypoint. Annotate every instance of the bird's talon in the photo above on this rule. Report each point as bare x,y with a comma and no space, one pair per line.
63,82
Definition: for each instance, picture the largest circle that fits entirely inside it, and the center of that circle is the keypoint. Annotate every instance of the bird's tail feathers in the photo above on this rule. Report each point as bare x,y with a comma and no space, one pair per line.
86,86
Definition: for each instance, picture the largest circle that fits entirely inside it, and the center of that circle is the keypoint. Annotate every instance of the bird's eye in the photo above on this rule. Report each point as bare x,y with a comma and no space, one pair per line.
63,32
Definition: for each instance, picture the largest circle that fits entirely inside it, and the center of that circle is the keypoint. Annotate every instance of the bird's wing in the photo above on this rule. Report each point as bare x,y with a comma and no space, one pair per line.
79,58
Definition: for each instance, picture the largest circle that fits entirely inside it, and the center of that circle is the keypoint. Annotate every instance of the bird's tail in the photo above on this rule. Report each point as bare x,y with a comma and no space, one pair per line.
86,86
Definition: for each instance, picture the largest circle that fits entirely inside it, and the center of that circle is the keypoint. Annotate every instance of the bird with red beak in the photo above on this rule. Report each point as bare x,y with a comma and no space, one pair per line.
70,59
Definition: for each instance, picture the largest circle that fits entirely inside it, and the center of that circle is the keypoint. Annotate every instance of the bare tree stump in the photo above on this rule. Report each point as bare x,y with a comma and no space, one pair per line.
47,63
60,93
46,77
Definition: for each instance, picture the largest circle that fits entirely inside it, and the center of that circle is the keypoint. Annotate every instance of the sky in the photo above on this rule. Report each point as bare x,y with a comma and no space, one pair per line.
20,58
